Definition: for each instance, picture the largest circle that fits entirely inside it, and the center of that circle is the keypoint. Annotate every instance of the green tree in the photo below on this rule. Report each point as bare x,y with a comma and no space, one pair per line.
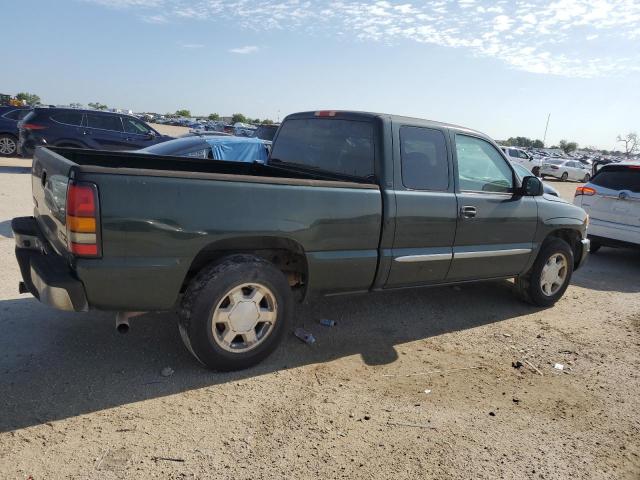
183,113
267,121
214,116
98,105
75,105
238,117
537,144
30,98
568,147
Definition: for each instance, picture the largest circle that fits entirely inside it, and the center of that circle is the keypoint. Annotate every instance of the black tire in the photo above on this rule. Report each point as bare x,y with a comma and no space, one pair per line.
586,178
210,287
8,145
564,177
528,285
536,171
594,247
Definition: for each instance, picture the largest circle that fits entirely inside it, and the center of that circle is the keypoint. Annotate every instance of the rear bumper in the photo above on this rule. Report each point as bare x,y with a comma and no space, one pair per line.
45,274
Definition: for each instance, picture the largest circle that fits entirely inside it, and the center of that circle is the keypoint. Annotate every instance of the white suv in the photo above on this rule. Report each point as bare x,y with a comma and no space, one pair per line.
524,158
612,200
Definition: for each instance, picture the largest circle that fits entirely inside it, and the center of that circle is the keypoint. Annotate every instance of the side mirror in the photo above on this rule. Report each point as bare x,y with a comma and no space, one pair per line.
151,135
531,187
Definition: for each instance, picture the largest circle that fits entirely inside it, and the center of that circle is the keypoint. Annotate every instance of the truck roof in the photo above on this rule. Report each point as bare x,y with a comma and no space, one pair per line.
355,114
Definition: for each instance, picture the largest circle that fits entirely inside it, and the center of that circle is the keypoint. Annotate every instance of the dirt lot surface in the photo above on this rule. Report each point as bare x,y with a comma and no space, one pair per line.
412,384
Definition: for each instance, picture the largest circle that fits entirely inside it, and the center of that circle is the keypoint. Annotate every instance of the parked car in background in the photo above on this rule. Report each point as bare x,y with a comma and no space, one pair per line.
612,200
266,132
524,158
524,172
566,170
9,118
215,147
94,129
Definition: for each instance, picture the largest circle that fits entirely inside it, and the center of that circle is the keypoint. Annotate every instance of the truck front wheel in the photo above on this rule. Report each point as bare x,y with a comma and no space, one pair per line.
235,312
550,275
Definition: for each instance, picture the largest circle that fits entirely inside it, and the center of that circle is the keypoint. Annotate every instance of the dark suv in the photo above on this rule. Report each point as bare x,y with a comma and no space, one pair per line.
67,127
9,118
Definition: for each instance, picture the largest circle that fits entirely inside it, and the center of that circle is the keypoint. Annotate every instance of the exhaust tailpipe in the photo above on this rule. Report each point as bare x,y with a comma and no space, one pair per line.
122,320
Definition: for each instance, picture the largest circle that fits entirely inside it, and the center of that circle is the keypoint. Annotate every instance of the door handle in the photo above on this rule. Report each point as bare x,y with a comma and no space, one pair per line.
468,212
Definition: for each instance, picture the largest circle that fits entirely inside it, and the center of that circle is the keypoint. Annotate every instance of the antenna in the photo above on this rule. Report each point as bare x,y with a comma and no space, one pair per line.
544,139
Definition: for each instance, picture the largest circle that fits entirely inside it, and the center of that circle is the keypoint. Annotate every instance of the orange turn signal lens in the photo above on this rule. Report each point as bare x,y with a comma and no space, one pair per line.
81,224
588,191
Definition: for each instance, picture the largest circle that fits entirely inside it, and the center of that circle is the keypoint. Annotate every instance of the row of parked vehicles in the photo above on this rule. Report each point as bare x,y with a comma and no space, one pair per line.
22,129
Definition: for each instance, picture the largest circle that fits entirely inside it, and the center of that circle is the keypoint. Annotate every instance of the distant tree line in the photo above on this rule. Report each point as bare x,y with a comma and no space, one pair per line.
522,142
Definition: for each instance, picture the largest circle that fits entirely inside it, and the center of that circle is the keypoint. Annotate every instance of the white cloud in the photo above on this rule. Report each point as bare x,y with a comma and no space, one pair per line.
539,36
156,19
245,50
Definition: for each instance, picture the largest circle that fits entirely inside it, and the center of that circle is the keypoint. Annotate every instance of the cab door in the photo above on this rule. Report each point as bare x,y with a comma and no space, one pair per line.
425,206
495,227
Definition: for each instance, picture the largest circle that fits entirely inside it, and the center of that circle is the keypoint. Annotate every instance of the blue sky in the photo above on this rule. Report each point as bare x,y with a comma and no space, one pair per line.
498,66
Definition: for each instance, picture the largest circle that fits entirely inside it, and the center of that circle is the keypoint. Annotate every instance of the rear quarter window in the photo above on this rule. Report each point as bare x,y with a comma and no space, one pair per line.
336,146
619,179
68,118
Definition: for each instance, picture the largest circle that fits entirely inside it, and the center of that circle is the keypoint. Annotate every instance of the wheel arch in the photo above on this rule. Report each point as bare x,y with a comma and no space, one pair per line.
286,254
572,237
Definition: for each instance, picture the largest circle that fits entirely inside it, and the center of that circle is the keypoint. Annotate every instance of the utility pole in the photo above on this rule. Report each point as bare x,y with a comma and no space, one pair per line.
544,140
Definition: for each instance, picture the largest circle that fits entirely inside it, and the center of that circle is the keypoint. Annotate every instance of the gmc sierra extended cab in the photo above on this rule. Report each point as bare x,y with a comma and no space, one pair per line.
348,202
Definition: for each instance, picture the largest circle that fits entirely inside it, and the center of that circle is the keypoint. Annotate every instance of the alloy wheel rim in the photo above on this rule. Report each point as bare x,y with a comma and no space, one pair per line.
244,318
7,146
554,274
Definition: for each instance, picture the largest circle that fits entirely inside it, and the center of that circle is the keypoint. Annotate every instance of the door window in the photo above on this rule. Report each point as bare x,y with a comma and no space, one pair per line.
104,122
424,159
481,168
131,125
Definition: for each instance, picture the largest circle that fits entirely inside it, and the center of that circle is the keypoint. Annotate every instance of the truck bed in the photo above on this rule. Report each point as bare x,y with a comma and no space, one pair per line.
113,162
159,216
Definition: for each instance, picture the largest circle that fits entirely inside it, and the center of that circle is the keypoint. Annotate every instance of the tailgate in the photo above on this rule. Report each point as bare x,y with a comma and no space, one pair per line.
49,180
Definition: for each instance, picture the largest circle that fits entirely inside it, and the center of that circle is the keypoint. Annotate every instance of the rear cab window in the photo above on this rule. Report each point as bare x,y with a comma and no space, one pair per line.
339,146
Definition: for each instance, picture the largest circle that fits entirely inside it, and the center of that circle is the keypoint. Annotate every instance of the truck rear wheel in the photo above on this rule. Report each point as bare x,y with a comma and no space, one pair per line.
550,275
235,312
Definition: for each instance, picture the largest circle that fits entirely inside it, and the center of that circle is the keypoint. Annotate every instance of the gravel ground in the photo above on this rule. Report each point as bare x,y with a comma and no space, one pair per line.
412,384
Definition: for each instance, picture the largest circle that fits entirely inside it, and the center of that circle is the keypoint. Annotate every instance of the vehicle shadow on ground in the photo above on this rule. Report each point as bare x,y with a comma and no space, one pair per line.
12,169
618,270
5,229
55,365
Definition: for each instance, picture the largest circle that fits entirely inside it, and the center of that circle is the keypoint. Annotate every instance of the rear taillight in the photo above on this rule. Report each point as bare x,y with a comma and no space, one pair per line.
588,191
32,126
83,219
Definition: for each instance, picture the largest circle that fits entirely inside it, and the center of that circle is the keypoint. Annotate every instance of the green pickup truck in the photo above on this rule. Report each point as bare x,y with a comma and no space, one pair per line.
348,202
